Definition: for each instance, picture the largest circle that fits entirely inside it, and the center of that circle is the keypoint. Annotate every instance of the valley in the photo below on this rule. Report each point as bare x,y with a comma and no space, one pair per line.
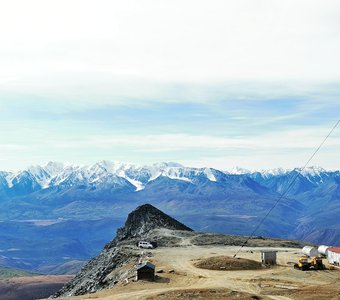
31,287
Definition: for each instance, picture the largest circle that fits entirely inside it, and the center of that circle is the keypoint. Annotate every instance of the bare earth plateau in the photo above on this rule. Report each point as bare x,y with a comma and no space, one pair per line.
189,282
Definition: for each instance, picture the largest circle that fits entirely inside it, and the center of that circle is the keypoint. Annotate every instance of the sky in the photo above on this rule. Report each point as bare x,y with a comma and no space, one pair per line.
248,83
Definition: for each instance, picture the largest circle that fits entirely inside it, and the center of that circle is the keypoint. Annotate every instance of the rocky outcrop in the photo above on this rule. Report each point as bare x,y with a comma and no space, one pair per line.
116,262
144,219
99,273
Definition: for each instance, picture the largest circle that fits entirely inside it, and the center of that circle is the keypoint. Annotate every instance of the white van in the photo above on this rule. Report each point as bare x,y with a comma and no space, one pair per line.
143,244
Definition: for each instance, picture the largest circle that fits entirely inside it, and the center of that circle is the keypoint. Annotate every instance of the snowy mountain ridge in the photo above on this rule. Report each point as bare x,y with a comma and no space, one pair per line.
55,174
137,176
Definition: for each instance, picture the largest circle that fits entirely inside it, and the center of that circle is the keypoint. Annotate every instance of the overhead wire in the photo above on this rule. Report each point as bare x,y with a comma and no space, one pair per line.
288,188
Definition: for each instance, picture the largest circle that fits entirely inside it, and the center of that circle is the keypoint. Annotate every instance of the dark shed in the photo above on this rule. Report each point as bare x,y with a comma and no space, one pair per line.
146,271
268,257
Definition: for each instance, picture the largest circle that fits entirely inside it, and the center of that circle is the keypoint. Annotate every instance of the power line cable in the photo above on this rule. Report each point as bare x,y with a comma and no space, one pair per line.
288,188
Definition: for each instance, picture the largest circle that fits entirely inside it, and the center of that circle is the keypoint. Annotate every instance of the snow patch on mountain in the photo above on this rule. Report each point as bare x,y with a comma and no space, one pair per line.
274,172
9,179
209,174
54,168
238,171
313,171
308,171
139,186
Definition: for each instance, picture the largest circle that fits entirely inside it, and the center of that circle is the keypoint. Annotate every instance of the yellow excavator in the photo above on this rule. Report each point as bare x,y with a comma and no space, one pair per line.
304,264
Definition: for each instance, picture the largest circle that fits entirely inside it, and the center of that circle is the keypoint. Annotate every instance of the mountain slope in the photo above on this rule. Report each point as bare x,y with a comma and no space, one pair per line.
69,206
97,273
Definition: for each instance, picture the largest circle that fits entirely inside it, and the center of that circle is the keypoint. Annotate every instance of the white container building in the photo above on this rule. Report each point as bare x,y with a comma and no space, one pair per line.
310,251
323,250
333,256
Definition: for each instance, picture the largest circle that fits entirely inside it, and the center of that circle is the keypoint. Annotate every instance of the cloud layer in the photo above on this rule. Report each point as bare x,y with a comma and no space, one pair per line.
253,83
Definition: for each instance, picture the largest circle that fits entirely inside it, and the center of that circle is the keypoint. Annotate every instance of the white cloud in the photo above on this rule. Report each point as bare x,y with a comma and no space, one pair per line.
282,140
63,44
288,148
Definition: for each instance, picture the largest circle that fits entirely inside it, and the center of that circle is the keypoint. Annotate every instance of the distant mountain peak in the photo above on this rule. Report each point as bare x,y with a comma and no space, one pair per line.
145,218
168,165
313,171
238,171
274,172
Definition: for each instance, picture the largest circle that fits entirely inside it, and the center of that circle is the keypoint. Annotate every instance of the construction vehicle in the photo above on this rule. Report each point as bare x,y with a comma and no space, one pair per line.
304,264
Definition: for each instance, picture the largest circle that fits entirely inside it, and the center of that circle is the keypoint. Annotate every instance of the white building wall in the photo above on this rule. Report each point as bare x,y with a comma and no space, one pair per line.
333,257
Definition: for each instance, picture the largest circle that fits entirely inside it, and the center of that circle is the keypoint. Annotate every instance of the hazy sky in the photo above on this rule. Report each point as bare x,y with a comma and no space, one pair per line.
250,83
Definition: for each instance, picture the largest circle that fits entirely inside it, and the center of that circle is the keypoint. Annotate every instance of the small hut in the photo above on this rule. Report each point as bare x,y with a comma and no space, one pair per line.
146,271
268,257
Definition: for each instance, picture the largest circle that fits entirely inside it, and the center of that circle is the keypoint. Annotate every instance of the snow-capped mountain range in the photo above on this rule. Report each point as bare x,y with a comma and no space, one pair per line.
122,174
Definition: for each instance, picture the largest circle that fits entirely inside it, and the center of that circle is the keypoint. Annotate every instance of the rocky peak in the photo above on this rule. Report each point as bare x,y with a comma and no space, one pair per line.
145,218
116,263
